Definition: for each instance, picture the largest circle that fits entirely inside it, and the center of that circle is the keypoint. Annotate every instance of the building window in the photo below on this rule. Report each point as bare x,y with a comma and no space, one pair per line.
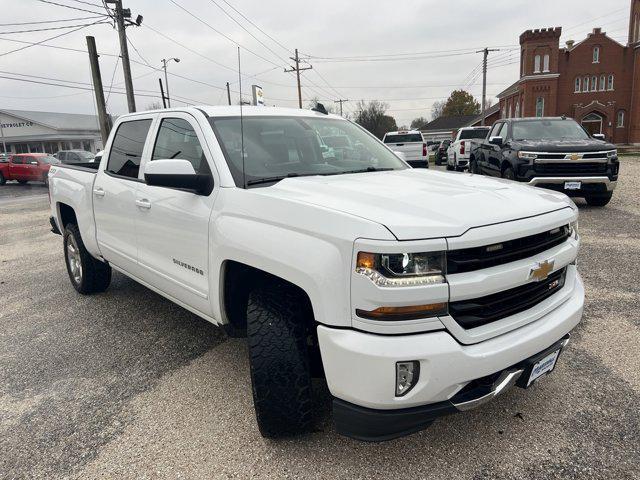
603,83
620,122
596,54
594,84
610,82
540,107
585,84
545,63
578,85
536,64
518,110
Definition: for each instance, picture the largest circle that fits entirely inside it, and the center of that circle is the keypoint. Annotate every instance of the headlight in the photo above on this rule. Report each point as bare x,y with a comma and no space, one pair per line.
573,227
612,153
402,269
527,155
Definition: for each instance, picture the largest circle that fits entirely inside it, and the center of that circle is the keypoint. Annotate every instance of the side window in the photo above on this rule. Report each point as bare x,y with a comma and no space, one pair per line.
73,157
126,150
62,156
177,139
494,130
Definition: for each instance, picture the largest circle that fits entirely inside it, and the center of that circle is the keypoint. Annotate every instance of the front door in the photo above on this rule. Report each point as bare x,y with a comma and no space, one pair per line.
114,195
172,225
592,123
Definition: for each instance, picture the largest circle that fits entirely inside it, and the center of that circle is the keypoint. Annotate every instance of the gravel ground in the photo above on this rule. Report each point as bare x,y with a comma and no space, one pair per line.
127,385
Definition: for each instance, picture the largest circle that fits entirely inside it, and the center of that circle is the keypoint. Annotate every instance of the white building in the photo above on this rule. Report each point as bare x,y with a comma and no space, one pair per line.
27,132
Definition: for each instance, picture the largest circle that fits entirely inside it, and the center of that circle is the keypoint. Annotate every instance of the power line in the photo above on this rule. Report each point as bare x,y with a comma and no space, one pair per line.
404,54
62,27
69,6
50,21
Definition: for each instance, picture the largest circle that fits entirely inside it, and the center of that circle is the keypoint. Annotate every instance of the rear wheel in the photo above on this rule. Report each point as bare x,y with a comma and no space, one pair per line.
2,179
22,182
509,173
599,200
280,370
473,166
87,274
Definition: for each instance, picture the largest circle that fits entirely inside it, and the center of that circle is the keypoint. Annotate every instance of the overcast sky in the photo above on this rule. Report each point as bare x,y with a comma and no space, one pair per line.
439,38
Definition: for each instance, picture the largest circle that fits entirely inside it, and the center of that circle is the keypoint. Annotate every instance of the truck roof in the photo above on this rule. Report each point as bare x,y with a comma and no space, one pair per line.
533,119
403,132
247,111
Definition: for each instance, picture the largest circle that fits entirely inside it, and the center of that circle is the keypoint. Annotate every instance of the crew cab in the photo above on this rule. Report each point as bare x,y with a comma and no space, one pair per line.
411,145
27,167
459,150
414,293
554,153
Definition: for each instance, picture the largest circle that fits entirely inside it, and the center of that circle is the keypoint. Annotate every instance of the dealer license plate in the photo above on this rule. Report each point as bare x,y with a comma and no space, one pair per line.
572,185
543,366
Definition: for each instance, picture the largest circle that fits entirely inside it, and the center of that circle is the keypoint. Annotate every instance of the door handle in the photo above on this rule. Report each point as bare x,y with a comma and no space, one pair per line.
144,203
98,192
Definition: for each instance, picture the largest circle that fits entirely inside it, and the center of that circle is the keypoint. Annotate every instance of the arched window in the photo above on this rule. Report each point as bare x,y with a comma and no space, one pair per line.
545,63
596,54
603,83
536,64
594,84
578,85
540,107
620,122
610,82
518,110
585,84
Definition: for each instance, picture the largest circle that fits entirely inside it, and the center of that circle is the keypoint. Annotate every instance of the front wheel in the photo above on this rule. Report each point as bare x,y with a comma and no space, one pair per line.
87,274
509,174
279,361
473,166
2,179
599,200
22,182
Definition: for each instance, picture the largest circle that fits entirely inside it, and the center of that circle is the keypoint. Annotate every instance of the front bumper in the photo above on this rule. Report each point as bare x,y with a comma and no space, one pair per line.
360,367
601,184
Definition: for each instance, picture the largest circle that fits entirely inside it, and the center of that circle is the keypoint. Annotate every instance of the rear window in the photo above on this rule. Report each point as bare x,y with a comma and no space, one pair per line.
126,150
403,138
475,133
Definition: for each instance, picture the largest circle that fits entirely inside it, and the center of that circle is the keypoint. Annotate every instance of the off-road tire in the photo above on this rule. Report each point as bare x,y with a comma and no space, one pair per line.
509,174
599,200
2,179
280,372
96,275
22,182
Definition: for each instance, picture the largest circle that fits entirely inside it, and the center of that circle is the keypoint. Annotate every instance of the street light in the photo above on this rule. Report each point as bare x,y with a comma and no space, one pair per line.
166,79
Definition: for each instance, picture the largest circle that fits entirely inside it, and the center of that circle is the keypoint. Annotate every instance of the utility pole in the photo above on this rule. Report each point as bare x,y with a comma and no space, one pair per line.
484,79
166,79
298,69
103,117
340,101
228,93
164,99
120,15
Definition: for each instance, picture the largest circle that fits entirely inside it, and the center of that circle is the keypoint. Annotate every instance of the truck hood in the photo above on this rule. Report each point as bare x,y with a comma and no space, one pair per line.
589,145
419,203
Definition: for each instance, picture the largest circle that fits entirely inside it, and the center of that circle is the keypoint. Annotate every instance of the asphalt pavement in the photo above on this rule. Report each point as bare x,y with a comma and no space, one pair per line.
126,384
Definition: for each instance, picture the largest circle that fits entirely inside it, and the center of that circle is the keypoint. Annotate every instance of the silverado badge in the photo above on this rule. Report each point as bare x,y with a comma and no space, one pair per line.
541,270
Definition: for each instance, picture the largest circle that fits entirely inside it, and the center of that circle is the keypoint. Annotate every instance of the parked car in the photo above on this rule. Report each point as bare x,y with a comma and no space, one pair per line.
27,167
4,157
459,150
415,293
75,156
553,153
441,152
411,144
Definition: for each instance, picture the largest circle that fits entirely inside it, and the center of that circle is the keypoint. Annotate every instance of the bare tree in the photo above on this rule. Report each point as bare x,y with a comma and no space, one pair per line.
372,116
155,106
437,108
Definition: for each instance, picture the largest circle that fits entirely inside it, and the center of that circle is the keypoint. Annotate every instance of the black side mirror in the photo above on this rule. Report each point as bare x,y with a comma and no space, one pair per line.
174,173
496,141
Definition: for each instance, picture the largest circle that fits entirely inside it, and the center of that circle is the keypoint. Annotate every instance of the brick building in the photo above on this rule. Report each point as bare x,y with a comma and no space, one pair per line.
595,81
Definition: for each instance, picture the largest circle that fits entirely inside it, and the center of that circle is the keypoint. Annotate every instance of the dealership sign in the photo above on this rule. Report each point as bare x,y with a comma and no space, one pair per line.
258,96
16,124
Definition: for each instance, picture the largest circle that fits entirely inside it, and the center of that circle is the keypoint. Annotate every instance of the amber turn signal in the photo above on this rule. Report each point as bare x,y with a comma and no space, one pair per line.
404,313
366,260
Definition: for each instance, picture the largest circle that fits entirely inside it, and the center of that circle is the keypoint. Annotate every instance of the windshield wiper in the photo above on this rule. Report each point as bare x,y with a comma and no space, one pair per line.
278,178
361,170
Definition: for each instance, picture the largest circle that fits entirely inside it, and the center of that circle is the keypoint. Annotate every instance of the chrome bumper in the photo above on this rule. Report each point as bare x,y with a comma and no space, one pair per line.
610,184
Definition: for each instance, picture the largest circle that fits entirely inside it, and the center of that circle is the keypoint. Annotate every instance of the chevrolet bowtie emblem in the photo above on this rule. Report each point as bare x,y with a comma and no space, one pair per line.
574,156
541,270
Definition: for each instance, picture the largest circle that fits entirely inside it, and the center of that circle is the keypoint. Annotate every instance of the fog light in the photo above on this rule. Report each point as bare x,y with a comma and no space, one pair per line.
407,374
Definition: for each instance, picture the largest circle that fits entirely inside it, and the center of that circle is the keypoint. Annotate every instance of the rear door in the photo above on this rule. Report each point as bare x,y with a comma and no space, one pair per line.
410,144
114,193
172,225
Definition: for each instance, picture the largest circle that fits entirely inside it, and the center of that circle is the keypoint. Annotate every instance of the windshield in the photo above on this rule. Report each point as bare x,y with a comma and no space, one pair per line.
403,138
50,160
474,133
548,130
278,147
85,155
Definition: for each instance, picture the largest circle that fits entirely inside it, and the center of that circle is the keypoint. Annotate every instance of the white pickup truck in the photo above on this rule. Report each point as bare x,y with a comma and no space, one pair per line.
459,150
415,293
411,145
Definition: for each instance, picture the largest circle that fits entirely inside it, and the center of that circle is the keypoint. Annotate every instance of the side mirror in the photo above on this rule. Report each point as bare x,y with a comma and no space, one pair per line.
400,155
496,141
177,174
599,136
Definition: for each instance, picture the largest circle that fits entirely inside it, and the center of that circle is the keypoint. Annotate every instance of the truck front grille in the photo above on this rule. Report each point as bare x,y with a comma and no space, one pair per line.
476,312
476,258
571,169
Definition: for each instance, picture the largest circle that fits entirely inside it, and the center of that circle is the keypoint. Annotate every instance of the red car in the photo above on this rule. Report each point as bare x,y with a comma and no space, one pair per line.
27,167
